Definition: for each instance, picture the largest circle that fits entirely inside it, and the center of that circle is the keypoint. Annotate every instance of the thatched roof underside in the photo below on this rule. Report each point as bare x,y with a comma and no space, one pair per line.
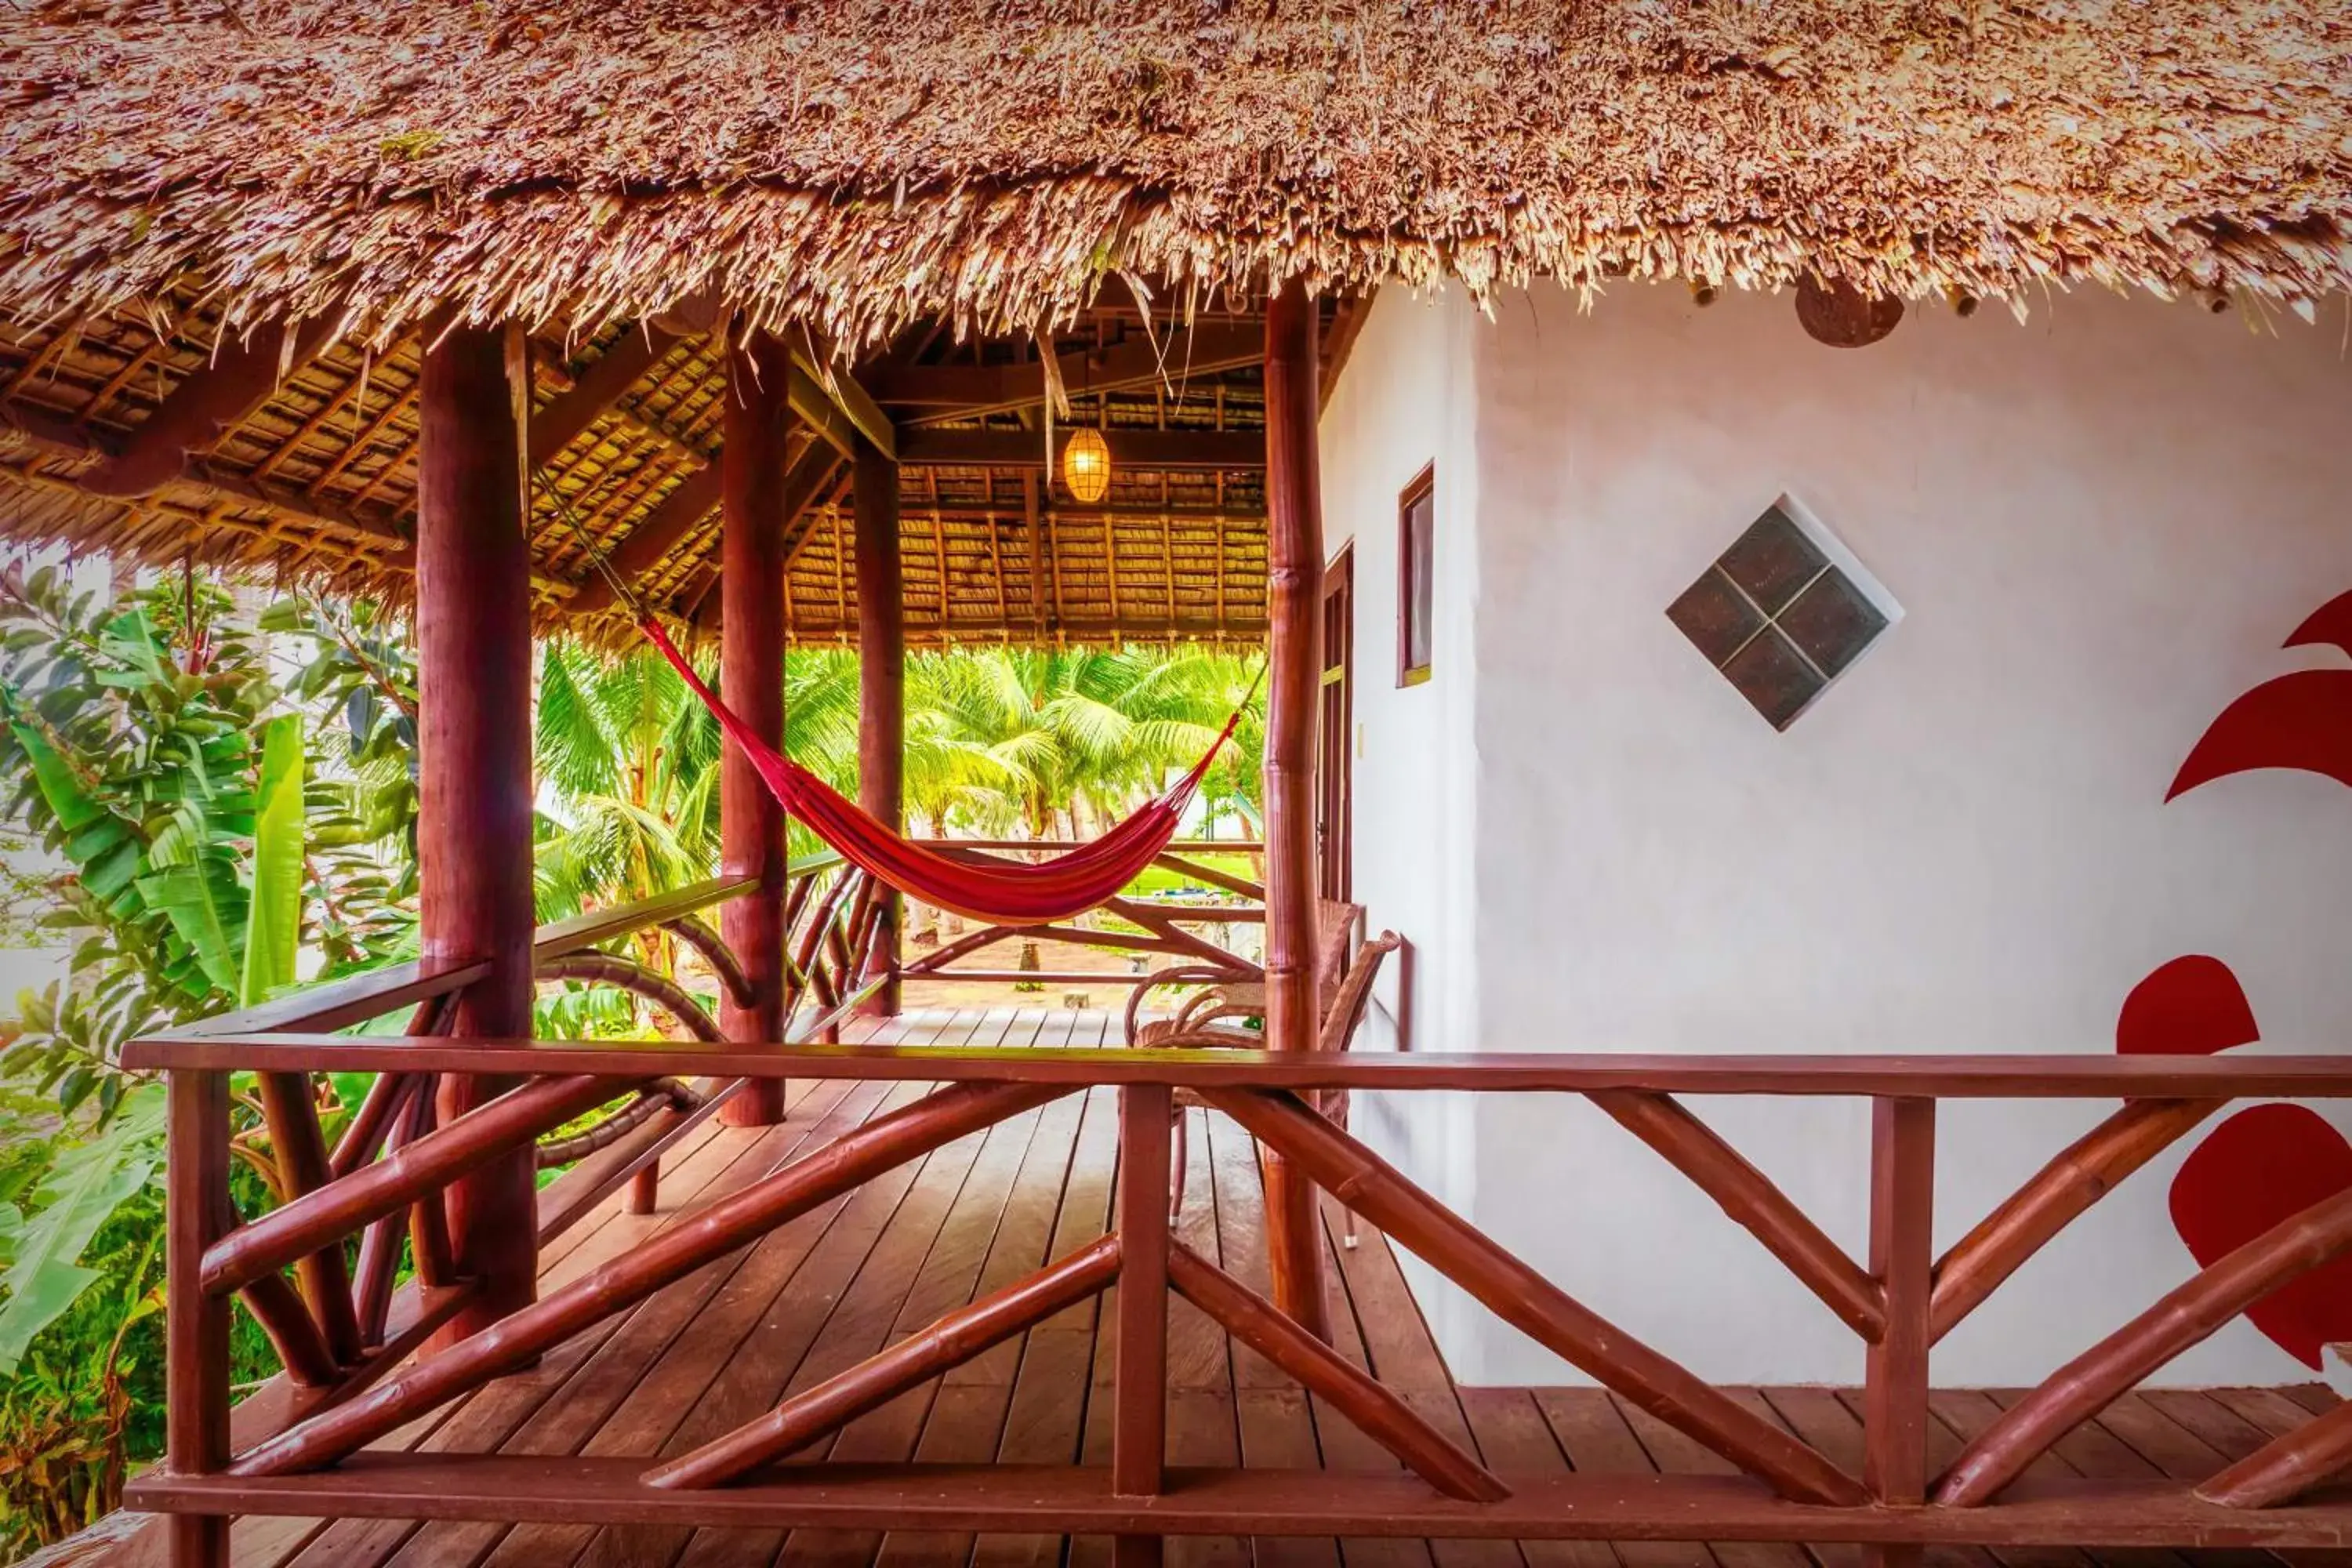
317,486
863,163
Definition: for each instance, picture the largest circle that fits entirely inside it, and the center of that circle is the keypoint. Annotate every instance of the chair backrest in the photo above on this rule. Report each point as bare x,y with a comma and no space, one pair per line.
1336,929
1354,992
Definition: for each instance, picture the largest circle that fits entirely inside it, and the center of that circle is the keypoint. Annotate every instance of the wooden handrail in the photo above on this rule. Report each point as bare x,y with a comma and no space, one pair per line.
626,919
1496,1072
339,1004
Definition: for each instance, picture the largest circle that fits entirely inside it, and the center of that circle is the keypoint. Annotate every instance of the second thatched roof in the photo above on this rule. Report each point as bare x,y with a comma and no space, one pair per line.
862,163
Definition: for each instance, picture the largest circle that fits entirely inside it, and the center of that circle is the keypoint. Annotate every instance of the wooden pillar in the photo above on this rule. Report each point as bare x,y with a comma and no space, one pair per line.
881,684
1293,502
1138,1438
473,830
196,1322
751,680
1902,1260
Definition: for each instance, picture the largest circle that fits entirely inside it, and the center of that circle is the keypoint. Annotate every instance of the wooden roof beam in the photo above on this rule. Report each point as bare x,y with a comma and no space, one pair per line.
928,447
685,507
597,388
51,436
194,417
966,389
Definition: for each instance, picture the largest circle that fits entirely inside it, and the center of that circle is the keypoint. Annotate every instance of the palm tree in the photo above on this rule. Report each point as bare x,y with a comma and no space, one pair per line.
626,760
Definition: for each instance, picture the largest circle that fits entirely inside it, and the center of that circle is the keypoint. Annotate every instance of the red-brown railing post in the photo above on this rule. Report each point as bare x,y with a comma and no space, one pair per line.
1294,505
881,689
1140,1367
196,1203
474,785
1902,1260
758,419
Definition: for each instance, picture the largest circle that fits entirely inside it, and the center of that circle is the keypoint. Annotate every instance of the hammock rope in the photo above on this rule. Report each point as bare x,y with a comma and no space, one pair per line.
994,892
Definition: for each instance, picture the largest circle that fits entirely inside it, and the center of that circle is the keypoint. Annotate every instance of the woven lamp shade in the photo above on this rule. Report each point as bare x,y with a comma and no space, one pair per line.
1086,465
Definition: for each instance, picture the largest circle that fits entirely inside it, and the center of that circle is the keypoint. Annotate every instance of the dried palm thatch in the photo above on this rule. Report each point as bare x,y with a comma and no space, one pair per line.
178,174
864,162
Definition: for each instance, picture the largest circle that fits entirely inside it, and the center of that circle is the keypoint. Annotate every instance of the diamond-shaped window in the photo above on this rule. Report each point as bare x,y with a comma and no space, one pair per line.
1779,618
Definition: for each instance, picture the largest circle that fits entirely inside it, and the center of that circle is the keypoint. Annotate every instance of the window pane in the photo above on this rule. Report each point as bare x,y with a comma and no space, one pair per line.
1419,529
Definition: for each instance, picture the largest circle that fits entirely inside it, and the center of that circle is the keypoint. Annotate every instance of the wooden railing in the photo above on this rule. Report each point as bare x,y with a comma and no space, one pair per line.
303,1455
1160,925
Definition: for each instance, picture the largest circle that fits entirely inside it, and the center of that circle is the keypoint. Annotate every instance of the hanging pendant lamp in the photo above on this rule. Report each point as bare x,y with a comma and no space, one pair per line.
1086,465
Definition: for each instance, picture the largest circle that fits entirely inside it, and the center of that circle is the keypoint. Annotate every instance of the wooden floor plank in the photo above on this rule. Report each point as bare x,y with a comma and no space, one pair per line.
1404,1356
1944,1446
1344,1447
1053,1397
660,1360
1592,1433
795,1317
1513,1436
487,1419
707,1350
943,1281
1271,1415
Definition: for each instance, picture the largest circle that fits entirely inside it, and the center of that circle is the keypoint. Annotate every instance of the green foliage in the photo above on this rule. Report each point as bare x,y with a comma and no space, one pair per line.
273,926
199,836
42,1243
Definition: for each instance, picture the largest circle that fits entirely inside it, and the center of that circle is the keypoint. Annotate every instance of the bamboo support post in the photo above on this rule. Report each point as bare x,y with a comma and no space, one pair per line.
711,1232
289,1108
1748,1197
714,951
429,1217
2318,1451
1295,661
2083,1173
301,1348
1377,1412
875,1382
364,1134
758,423
1518,1295
2092,1381
424,1166
881,683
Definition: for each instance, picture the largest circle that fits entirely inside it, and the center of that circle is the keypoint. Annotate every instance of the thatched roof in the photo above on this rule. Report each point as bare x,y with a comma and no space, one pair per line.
912,178
866,163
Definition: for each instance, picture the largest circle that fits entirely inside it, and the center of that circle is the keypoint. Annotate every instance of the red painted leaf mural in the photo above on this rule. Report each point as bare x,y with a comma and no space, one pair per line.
2269,1162
2301,721
2260,1167
2330,626
2192,1006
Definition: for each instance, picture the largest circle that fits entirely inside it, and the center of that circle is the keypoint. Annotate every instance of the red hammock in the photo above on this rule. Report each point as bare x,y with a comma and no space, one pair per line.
994,892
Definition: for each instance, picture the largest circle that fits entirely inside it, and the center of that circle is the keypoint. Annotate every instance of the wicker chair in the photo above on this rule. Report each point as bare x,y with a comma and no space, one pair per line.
1346,1004
1237,989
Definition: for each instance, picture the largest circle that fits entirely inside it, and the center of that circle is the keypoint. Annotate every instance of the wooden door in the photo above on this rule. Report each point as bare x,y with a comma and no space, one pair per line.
1335,732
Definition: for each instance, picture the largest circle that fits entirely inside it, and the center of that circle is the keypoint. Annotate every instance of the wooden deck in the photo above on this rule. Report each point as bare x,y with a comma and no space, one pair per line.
819,1294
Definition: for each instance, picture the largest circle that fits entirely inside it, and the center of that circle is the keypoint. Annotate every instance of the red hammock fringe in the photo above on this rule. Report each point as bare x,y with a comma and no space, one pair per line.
992,892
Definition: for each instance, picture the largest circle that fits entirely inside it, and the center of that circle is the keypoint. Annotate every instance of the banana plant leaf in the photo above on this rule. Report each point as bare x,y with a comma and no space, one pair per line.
273,921
80,1193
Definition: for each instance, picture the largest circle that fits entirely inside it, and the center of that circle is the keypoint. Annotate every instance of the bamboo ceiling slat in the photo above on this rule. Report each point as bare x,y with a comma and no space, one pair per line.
339,436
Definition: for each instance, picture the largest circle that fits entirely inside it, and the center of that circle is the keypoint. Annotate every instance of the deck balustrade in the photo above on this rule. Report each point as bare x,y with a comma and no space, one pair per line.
349,1342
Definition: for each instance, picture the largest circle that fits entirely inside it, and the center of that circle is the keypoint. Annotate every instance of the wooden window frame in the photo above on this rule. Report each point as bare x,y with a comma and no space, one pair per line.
1423,487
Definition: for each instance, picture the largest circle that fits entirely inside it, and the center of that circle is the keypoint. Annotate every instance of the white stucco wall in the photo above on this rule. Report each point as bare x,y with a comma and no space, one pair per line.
2099,525
1413,805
